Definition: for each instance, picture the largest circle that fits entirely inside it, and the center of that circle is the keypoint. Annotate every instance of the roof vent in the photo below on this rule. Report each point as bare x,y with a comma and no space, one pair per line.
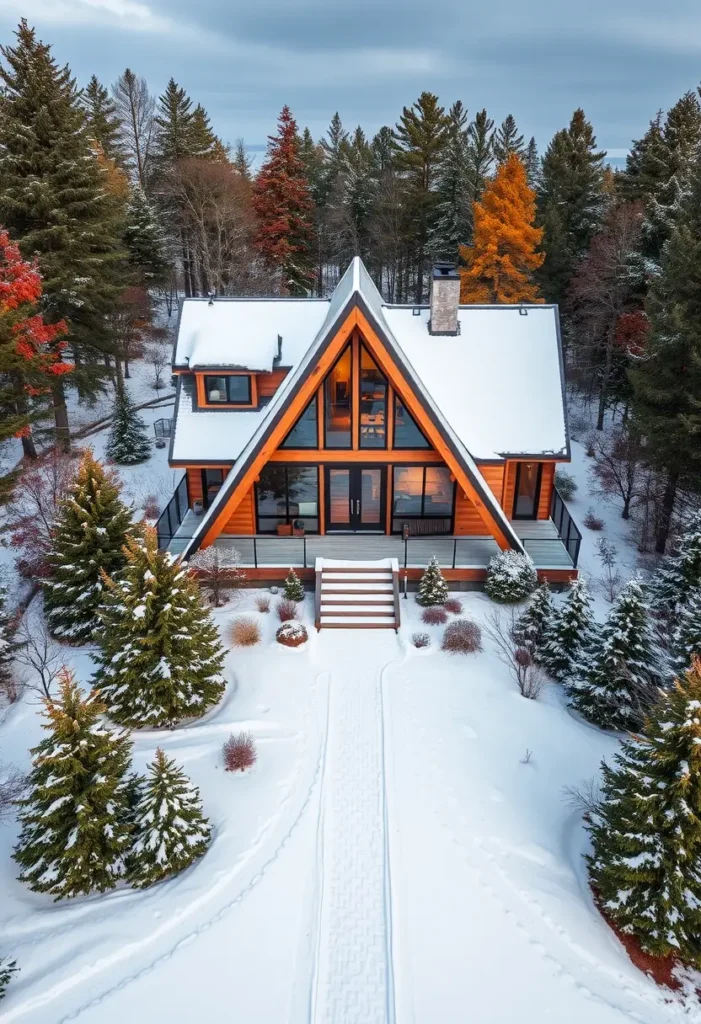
522,311
445,299
278,357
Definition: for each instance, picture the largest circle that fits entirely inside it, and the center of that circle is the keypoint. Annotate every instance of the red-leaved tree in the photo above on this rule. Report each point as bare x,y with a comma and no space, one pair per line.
283,206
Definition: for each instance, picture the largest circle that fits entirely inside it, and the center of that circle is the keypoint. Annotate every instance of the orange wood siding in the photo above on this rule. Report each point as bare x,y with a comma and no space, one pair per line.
494,478
507,502
194,484
268,383
242,519
546,490
467,518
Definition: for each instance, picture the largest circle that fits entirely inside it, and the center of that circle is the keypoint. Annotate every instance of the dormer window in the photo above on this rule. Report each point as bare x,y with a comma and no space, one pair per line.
234,389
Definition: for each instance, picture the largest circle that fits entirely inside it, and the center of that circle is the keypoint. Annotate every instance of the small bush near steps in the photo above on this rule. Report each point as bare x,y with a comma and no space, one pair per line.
292,634
244,632
434,616
286,610
294,588
420,640
462,636
453,606
263,603
433,588
239,752
511,577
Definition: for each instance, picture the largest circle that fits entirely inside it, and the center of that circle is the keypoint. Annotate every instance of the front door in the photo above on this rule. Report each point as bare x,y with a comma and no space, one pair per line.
355,498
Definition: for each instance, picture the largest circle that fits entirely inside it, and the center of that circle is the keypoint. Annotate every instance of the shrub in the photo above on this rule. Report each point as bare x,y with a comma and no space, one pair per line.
274,590
453,606
239,752
433,588
294,589
592,521
421,640
434,616
292,634
511,577
244,632
263,603
566,484
462,636
151,506
286,609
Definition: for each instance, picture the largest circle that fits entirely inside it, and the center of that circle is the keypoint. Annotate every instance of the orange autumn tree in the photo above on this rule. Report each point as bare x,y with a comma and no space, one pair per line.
500,263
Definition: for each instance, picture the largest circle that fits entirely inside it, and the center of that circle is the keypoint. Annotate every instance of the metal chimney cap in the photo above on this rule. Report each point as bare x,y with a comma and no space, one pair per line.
443,270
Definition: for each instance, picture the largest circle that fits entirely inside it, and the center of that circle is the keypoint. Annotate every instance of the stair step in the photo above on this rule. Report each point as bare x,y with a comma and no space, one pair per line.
356,597
357,620
356,588
361,609
356,577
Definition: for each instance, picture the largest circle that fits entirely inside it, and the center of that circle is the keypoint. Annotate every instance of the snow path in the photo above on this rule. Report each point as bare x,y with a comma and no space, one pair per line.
353,977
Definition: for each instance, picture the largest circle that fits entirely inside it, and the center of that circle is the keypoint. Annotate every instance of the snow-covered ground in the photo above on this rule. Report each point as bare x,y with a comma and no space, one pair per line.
402,850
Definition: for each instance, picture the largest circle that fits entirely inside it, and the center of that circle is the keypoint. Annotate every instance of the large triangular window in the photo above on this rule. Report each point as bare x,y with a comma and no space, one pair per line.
406,431
304,434
338,403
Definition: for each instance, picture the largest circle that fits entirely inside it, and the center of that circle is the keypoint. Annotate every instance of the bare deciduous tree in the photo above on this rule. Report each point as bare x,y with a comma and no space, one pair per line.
610,581
31,513
135,107
12,785
218,569
528,676
158,355
617,469
39,653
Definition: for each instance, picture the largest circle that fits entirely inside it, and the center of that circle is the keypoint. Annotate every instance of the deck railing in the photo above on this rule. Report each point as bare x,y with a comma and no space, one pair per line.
172,516
565,526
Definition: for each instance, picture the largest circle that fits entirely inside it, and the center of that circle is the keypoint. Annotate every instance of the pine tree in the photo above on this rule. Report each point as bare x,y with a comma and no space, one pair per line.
500,265
128,442
532,164
615,683
103,122
679,575
145,241
91,529
75,833
453,225
570,632
646,834
8,644
532,626
283,205
7,969
480,151
174,126
507,141
433,588
357,188
242,161
170,831
294,590
686,639
160,658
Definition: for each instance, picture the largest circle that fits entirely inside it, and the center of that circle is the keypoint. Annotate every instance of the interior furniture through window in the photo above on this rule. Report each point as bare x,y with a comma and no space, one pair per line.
422,495
338,395
286,493
234,389
373,403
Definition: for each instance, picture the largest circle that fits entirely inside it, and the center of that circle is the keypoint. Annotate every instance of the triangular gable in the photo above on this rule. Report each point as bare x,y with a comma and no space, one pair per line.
364,312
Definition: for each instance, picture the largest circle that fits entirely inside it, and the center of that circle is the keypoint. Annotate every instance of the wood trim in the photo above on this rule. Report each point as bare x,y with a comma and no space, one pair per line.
363,455
389,417
275,574
389,499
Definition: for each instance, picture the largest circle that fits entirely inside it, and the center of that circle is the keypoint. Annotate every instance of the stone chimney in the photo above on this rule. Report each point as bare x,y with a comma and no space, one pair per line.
445,298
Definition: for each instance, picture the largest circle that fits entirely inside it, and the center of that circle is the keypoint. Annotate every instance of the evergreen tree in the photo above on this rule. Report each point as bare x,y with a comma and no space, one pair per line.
532,164
242,161
145,241
616,680
433,588
453,225
569,633
103,122
204,142
174,126
91,529
7,969
686,639
170,831
160,659
507,141
294,590
128,442
283,204
75,833
8,644
533,625
51,178
357,187
500,264
646,834
678,575
480,152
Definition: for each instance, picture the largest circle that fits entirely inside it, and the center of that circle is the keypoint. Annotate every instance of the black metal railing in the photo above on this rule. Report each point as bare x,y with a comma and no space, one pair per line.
173,515
565,526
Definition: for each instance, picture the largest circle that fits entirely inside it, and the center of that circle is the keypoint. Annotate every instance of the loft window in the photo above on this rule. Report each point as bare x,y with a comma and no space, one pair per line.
527,490
287,494
212,479
373,403
338,397
422,498
406,432
304,432
234,389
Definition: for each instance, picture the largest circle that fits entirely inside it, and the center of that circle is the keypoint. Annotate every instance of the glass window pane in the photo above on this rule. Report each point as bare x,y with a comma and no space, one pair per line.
304,432
438,492
285,494
271,491
373,403
406,432
339,497
269,525
212,480
215,389
337,402
240,389
408,490
526,503
371,497
303,491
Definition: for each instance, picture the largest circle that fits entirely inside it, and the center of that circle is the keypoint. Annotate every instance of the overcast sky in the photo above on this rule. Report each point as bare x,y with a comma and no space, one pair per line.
619,59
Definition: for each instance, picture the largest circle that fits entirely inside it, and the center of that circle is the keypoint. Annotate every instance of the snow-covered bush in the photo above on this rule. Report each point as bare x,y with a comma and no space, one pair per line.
7,969
433,588
511,577
566,484
420,640
292,634
128,442
453,606
286,609
531,627
434,616
244,632
239,752
462,636
569,632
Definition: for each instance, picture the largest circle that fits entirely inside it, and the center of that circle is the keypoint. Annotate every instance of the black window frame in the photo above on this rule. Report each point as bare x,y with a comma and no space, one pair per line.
371,447
289,517
406,447
205,485
351,383
422,516
538,488
305,447
228,377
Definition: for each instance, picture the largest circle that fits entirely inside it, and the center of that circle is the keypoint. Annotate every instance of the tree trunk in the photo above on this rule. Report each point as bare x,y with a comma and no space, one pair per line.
666,510
625,514
28,447
63,431
603,394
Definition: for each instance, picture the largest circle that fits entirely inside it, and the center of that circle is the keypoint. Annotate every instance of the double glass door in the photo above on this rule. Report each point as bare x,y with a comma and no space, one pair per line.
355,498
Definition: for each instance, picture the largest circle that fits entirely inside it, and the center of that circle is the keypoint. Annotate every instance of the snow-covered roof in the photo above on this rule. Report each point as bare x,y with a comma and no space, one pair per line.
212,435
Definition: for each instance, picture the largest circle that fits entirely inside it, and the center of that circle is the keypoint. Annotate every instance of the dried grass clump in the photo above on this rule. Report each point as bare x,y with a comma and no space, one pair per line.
151,506
592,521
292,634
434,615
453,606
239,752
286,609
244,632
421,640
462,637
263,603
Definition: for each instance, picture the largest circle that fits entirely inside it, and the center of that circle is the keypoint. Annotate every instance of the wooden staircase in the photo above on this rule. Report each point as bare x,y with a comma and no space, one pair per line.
357,595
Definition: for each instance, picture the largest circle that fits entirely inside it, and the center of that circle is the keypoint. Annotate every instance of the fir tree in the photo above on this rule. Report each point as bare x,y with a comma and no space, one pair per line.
75,833
569,633
480,152
7,969
646,834
103,123
500,264
532,164
453,225
91,529
679,575
8,644
242,161
507,141
160,657
433,588
128,442
532,626
616,681
174,125
686,639
170,831
357,187
145,241
294,590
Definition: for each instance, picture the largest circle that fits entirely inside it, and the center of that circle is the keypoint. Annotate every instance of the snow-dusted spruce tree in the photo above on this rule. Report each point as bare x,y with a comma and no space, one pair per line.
7,969
570,631
8,643
678,574
75,829
160,658
531,627
615,683
511,577
646,864
90,533
294,590
170,831
128,442
433,588
686,639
